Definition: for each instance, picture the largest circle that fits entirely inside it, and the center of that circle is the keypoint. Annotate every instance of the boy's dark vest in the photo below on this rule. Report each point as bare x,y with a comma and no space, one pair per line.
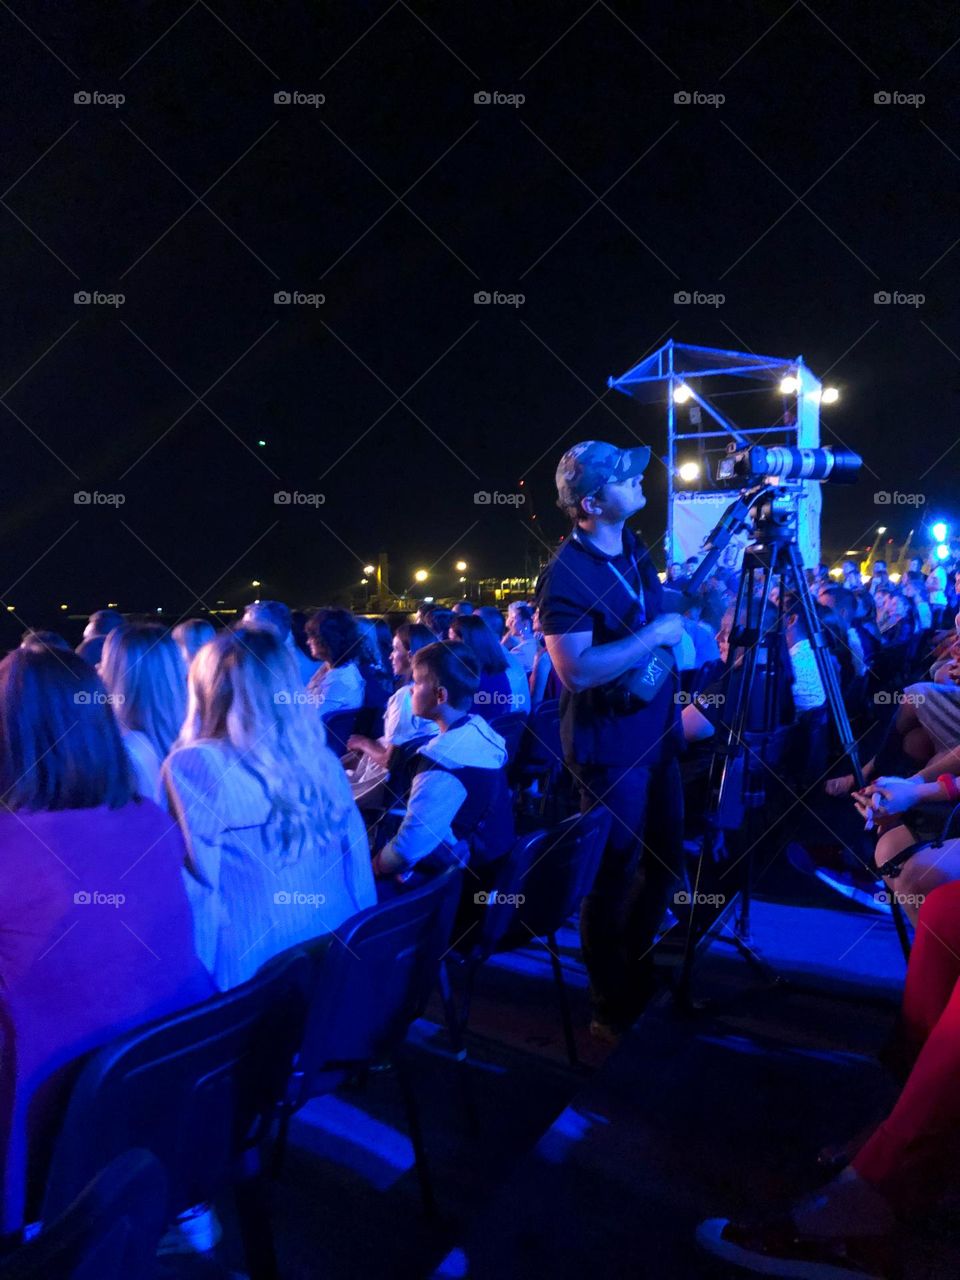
485,819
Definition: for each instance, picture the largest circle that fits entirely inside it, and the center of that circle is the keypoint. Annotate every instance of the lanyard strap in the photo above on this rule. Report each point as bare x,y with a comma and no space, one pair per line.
634,594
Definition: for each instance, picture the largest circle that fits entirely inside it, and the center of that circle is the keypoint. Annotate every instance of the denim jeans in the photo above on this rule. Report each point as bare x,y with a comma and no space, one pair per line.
641,868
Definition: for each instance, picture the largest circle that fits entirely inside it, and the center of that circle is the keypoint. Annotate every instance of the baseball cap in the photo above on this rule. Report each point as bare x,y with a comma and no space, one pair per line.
590,465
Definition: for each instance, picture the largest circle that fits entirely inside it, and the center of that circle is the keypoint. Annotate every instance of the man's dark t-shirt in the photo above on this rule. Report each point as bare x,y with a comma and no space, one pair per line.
578,591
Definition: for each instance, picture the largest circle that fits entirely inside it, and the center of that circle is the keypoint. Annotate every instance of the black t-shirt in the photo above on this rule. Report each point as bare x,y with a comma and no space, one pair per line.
579,591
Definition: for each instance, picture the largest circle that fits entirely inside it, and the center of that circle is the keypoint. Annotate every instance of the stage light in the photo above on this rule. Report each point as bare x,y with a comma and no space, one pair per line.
255,582
894,577
11,608
881,528
939,531
836,572
369,570
428,599
829,395
463,579
262,444
64,606
682,393
461,567
421,575
364,581
689,471
942,551
789,385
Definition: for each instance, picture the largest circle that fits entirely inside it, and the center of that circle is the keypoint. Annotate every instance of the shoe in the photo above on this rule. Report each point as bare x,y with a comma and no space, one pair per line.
858,887
778,1249
196,1231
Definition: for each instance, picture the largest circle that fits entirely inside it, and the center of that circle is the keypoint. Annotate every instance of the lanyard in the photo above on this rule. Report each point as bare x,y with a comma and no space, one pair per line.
637,596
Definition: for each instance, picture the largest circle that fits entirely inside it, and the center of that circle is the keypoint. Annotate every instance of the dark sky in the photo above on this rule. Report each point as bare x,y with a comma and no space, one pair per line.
598,198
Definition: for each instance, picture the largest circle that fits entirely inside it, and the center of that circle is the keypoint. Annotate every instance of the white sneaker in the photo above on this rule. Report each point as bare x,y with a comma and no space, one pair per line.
196,1231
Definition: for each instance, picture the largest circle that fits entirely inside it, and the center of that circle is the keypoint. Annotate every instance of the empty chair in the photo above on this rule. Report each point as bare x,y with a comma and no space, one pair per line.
539,886
200,1090
371,981
540,758
110,1232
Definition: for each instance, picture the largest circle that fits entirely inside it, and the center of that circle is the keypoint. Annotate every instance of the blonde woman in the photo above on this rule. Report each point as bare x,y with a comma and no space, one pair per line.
277,851
147,683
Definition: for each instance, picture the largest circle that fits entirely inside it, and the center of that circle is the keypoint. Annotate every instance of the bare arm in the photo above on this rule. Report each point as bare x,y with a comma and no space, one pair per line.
945,762
581,664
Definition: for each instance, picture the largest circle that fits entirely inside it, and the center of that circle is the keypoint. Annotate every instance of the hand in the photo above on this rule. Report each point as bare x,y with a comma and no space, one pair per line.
896,795
667,629
357,742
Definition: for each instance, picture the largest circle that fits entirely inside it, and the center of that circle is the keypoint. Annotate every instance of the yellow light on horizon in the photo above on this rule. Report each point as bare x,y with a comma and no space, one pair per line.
255,582
461,566
421,575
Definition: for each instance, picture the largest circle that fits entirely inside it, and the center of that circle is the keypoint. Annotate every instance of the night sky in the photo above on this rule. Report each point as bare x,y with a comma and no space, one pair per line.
597,198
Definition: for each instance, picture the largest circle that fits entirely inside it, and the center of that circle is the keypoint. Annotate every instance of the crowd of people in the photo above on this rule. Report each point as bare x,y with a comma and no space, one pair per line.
171,795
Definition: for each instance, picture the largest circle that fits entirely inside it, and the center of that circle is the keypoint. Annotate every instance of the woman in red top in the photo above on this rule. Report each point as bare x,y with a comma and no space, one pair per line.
96,935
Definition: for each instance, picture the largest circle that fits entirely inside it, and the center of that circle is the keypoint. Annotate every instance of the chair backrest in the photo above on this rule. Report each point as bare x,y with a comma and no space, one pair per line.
339,726
197,1089
541,743
374,978
543,880
510,728
110,1231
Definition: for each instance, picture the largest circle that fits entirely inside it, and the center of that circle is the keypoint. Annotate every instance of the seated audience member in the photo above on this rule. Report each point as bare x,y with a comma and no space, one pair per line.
914,588
520,629
843,603
143,670
463,608
674,572
334,642
508,640
95,930
851,575
437,618
878,577
808,692
376,673
494,696
853,1226
545,684
276,615
277,852
191,636
936,585
44,640
95,632
896,626
459,789
400,725
517,675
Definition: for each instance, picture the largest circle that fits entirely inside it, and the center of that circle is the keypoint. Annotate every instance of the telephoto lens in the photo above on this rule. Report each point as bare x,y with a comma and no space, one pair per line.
836,466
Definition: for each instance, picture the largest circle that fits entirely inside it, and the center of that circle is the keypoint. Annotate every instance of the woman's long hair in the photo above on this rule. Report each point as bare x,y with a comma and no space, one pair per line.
245,690
143,668
480,640
59,743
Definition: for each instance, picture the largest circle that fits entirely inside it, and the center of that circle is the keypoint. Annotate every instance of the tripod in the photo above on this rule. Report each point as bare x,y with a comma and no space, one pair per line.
755,729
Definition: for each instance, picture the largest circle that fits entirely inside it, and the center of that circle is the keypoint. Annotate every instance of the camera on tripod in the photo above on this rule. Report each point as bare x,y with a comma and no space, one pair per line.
784,462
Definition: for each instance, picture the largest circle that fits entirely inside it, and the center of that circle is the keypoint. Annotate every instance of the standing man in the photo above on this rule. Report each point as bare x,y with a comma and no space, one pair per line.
601,606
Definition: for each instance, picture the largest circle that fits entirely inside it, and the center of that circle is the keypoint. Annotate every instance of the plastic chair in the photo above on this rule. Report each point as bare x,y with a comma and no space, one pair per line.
540,884
540,758
372,979
200,1090
339,726
110,1232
